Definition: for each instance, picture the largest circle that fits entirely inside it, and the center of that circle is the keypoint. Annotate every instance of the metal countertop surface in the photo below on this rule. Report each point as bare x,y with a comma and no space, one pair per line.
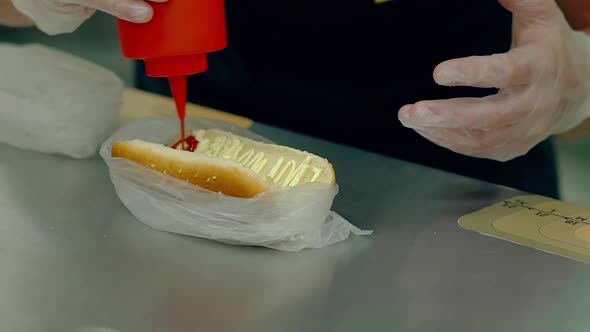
72,258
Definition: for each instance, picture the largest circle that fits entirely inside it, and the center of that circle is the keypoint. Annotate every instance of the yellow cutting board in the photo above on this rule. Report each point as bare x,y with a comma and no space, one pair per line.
538,222
139,104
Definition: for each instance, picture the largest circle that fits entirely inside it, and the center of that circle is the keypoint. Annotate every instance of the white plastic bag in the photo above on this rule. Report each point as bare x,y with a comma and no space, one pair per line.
54,102
289,219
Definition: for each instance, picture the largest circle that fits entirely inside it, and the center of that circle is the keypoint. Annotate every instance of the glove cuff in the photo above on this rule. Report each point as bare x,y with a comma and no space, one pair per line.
52,16
580,112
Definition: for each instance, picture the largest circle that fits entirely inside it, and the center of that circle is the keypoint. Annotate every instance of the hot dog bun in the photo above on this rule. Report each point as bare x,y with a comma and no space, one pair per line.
230,164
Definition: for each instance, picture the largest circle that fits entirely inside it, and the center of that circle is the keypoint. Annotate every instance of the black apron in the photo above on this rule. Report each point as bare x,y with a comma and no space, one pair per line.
350,65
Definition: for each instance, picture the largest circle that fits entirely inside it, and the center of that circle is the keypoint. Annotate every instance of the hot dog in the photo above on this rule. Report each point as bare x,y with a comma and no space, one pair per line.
227,163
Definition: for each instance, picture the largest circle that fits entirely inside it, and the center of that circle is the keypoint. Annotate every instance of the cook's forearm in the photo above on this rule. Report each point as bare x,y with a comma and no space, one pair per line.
11,17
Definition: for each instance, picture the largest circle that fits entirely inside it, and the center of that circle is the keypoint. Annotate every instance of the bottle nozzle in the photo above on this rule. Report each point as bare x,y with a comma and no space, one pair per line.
176,66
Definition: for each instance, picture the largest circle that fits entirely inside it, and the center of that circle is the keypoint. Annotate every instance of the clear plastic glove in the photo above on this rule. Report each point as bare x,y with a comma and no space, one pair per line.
543,82
63,16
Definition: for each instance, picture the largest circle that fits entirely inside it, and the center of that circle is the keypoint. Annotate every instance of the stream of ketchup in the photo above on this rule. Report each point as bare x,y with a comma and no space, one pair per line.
178,86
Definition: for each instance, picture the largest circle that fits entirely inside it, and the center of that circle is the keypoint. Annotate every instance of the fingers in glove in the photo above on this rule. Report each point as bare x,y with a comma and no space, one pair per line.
514,68
478,140
136,11
532,11
491,145
442,138
499,110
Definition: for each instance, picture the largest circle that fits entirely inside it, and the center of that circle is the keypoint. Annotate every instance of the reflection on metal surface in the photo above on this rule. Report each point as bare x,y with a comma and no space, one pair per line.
224,286
78,258
20,321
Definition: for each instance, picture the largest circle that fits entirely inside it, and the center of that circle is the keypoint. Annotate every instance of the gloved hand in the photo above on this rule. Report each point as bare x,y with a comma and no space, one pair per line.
543,82
64,16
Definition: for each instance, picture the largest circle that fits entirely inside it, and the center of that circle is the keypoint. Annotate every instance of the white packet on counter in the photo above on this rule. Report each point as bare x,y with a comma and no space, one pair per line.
53,102
288,219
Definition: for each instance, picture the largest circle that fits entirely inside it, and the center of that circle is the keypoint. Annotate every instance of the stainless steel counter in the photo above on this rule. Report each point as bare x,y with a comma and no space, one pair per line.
72,258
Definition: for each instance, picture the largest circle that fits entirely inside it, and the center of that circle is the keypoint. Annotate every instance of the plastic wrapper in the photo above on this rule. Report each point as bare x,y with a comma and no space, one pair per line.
53,102
288,219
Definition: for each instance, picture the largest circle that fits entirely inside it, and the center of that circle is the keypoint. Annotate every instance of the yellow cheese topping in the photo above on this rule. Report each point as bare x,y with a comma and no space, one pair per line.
285,173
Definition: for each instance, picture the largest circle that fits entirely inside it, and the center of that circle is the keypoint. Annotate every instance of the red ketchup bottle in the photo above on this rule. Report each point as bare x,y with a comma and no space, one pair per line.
175,43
